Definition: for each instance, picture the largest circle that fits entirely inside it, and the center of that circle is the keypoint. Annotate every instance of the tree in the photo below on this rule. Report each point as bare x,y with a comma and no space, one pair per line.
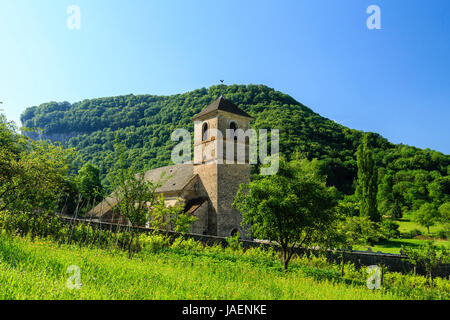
348,207
439,190
426,216
427,256
388,204
289,208
171,218
38,179
135,194
89,183
354,230
11,145
137,198
34,176
366,189
360,230
444,215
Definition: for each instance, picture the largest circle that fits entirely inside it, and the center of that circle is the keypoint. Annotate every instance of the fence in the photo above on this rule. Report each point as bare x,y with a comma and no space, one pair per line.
393,262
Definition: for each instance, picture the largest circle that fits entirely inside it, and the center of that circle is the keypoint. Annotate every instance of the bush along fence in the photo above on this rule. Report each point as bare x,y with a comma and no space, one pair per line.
94,233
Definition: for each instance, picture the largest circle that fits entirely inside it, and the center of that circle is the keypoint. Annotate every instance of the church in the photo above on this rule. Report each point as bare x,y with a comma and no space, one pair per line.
207,186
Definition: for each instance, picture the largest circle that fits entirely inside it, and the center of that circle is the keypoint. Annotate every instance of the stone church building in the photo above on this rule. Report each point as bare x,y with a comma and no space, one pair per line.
207,186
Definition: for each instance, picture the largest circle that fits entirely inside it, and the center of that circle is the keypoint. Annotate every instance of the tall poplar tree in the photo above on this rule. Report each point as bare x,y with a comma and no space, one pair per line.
366,189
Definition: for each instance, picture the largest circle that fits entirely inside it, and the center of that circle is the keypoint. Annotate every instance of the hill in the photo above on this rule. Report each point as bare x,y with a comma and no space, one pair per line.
145,122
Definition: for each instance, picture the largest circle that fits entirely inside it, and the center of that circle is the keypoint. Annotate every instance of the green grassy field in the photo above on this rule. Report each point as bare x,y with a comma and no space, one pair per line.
406,225
38,270
395,245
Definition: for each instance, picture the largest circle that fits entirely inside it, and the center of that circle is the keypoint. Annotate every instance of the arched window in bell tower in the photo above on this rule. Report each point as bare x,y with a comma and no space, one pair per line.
233,126
204,131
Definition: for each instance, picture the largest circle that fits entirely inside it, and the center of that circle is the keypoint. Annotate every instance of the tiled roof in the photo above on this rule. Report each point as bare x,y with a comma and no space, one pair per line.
225,105
173,178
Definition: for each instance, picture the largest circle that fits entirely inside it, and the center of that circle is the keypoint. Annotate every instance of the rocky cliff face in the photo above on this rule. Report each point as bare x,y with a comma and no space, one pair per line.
53,137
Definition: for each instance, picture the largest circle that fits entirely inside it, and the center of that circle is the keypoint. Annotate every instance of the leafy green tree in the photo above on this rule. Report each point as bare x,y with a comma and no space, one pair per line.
38,180
359,231
426,216
89,183
427,256
134,193
389,229
11,145
388,204
354,230
137,198
444,215
290,208
34,176
444,212
348,207
366,189
170,218
439,190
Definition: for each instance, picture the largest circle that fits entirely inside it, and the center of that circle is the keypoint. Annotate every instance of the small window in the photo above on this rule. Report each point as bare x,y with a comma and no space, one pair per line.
233,126
204,131
234,232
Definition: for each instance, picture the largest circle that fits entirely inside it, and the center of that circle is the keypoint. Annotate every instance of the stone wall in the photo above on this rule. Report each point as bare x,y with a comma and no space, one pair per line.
207,188
230,177
200,226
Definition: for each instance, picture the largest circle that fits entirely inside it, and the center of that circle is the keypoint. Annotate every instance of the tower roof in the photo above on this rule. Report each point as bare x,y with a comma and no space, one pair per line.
225,105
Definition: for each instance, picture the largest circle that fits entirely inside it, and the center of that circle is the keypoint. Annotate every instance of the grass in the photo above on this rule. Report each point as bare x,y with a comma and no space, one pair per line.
395,245
406,224
37,270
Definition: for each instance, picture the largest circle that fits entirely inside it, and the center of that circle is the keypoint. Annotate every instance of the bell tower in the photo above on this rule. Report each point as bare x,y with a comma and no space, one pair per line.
220,163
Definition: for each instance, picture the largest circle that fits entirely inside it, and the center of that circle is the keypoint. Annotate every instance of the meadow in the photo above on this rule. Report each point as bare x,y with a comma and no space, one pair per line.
395,245
407,225
38,270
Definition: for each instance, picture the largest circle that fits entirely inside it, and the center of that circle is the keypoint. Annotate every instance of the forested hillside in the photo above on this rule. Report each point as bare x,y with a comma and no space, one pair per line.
408,176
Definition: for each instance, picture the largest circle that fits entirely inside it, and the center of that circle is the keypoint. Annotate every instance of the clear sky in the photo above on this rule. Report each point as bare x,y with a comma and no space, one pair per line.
394,81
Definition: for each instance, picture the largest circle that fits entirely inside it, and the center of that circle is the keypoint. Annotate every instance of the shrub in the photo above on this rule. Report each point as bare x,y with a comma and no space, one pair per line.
428,256
389,229
154,242
260,253
312,260
186,244
234,243
411,234
214,249
318,261
360,230
443,234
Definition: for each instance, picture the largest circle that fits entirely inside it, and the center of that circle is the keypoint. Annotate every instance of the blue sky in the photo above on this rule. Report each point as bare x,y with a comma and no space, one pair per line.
394,81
